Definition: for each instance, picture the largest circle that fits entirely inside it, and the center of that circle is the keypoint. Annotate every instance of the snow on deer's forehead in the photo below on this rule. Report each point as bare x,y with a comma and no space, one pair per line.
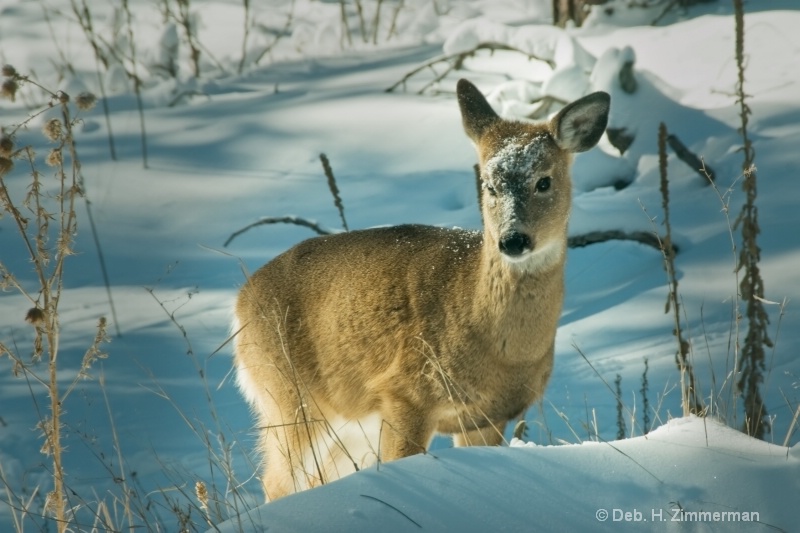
517,157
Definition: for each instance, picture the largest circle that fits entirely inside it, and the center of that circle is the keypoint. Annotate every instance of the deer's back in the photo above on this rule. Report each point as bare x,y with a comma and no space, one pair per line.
398,269
354,309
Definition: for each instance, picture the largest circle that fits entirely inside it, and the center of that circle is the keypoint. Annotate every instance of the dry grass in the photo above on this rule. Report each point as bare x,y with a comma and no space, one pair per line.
46,222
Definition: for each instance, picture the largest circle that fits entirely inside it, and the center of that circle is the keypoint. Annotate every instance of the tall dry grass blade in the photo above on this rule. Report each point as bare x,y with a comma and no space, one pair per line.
103,267
613,392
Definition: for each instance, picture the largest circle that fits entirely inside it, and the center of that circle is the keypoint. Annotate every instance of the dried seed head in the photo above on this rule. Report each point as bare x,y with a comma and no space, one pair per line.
51,503
85,101
6,146
62,97
9,71
54,158
52,129
9,89
201,492
5,165
35,316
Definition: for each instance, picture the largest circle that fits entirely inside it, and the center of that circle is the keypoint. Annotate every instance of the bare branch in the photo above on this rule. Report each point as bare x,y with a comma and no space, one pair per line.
594,237
690,158
289,219
457,60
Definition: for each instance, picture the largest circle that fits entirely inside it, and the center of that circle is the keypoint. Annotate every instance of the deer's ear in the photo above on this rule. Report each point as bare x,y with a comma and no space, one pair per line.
476,113
579,125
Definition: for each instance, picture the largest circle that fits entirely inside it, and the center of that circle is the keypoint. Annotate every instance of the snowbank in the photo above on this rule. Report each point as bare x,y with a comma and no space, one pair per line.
688,470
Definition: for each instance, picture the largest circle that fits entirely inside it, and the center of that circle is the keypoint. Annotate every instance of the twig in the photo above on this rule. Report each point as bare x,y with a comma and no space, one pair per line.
666,10
171,315
361,24
289,219
280,34
458,59
184,19
84,18
106,112
376,22
245,34
546,104
393,25
345,25
642,237
691,159
137,82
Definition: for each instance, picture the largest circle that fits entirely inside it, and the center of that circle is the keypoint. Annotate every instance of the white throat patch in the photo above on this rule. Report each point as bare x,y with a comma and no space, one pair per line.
541,257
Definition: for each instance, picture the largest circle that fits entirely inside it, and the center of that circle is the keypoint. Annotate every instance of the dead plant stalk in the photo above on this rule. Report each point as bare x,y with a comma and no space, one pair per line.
751,379
48,261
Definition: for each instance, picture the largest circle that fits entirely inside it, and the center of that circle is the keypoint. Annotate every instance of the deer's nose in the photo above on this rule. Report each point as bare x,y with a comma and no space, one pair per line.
514,243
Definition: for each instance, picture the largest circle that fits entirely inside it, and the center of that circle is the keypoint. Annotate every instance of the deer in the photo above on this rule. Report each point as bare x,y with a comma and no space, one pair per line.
389,336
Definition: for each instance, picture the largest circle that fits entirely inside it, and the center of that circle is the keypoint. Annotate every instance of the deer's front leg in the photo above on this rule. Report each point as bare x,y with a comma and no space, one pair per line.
405,429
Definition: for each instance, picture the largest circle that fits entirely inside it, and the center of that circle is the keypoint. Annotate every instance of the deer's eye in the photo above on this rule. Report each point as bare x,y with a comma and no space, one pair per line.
543,184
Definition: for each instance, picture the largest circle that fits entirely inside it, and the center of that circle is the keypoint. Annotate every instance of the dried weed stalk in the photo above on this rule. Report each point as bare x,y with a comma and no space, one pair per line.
756,421
47,224
690,400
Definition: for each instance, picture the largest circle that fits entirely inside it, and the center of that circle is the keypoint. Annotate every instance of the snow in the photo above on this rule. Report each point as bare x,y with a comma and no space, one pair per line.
226,148
641,483
515,158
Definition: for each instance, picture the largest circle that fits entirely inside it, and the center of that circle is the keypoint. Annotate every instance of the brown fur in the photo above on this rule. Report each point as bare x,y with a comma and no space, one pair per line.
434,330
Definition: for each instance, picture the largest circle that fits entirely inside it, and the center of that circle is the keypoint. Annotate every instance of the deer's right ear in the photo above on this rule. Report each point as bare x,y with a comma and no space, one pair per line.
476,113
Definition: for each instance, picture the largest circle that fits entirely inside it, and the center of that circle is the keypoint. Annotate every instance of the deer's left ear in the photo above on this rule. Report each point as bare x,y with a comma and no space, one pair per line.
579,125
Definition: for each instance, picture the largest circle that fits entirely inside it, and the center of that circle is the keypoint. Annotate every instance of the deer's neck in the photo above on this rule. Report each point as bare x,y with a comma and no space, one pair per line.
515,287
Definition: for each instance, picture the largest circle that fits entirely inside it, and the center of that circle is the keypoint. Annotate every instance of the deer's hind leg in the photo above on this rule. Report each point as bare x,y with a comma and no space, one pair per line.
293,457
287,422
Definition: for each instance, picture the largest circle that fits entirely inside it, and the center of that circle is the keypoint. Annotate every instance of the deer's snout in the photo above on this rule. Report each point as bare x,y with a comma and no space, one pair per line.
514,244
